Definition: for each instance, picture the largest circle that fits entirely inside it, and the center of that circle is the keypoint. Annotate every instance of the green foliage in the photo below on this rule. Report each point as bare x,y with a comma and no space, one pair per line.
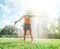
8,30
0,29
54,29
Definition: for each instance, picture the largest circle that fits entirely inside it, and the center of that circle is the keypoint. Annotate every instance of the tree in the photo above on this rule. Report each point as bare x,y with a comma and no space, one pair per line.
8,30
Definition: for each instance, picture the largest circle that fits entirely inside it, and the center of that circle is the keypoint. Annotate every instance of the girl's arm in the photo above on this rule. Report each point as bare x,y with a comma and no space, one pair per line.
36,16
19,19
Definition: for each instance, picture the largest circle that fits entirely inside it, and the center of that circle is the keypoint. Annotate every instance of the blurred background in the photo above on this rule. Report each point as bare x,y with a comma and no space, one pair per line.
46,24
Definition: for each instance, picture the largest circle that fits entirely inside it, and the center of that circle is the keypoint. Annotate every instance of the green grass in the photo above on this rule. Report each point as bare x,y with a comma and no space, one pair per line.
17,43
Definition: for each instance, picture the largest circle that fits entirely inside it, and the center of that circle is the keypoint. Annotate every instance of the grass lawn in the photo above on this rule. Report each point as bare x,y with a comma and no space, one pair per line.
17,43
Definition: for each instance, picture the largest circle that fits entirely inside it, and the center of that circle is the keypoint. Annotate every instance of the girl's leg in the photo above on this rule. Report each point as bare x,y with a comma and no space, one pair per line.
31,35
24,35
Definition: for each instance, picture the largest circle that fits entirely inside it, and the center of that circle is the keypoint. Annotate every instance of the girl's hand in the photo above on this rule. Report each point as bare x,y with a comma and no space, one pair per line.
15,22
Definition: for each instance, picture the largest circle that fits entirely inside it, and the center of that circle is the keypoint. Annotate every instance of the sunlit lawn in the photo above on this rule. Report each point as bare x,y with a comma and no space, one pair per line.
17,43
